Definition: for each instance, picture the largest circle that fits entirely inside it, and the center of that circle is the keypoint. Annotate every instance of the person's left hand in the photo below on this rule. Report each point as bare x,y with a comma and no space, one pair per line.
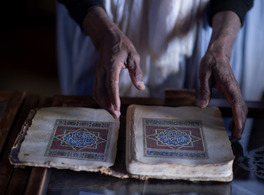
215,69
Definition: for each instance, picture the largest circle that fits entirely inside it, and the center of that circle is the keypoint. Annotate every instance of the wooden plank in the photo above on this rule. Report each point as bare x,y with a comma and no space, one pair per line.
183,98
77,101
37,177
7,173
255,109
88,101
38,180
19,184
13,100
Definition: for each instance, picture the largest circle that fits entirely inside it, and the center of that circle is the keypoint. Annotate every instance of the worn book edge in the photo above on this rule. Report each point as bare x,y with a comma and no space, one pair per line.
173,171
14,154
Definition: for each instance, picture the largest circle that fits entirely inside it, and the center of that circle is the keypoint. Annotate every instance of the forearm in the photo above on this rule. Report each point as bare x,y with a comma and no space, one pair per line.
240,7
97,24
225,25
78,9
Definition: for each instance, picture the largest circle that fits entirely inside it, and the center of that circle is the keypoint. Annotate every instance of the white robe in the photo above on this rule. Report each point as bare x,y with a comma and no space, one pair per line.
171,39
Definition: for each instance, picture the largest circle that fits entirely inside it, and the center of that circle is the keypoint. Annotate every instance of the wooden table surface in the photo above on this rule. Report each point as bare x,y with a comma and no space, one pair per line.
15,107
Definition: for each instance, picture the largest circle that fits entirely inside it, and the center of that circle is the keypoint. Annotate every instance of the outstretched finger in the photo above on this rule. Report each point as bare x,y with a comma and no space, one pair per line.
100,93
135,72
205,91
112,85
239,110
232,93
239,118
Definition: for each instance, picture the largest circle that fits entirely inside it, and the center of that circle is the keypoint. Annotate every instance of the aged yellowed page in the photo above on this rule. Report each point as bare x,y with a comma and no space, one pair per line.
71,138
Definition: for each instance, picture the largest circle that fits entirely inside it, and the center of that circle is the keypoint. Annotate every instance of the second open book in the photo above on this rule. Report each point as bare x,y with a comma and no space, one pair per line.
186,143
178,143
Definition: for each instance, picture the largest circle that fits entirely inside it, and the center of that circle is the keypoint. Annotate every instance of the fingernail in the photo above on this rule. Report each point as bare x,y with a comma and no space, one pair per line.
117,114
202,103
237,136
141,85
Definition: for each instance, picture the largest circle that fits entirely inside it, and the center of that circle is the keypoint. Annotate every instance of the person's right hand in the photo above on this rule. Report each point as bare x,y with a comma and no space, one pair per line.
115,53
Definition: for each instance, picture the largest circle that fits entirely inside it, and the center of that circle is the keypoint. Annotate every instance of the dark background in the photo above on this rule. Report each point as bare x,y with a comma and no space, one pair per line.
28,46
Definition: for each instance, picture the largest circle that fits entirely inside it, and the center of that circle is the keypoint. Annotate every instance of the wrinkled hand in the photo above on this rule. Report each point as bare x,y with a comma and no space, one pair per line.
115,53
215,71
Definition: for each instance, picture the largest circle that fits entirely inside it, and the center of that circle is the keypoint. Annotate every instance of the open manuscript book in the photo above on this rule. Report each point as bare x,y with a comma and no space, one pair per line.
186,143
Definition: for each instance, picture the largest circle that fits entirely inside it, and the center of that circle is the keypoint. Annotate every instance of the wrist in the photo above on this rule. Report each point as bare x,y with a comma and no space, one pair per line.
220,49
225,26
96,24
